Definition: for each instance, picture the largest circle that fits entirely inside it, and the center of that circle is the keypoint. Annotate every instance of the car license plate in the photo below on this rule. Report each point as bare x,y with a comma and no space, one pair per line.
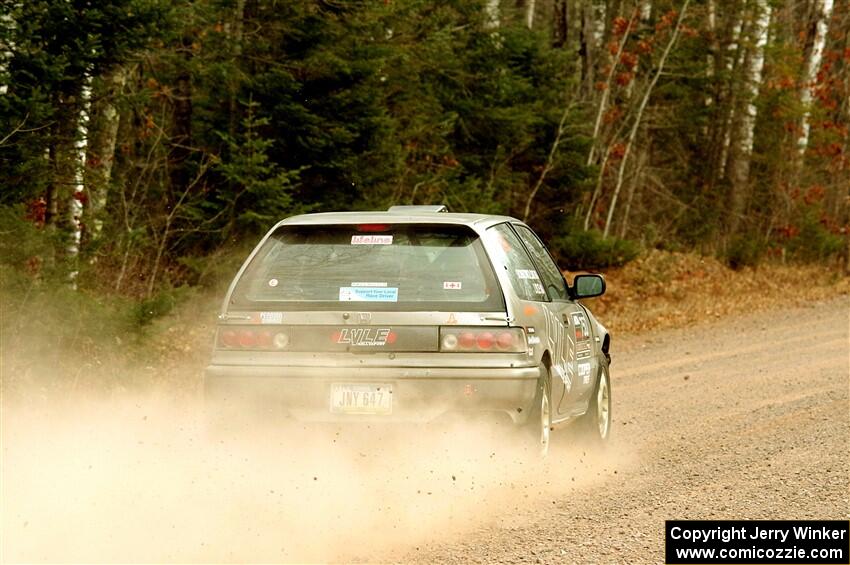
348,398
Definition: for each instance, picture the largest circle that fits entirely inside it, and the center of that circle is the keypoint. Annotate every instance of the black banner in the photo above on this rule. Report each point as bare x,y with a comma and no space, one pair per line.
757,541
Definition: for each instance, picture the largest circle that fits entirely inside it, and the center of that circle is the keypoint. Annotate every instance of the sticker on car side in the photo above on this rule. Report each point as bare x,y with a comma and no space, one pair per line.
584,373
271,317
527,274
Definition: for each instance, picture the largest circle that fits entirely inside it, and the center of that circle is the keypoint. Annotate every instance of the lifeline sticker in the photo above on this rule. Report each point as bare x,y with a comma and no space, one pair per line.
272,283
271,317
452,285
368,294
584,372
368,284
527,274
371,240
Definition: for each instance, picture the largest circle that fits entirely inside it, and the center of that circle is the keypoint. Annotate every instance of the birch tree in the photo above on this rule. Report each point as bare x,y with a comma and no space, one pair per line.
823,13
529,13
743,149
492,12
630,140
100,152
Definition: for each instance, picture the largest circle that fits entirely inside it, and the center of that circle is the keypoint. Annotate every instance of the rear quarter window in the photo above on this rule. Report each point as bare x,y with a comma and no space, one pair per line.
509,254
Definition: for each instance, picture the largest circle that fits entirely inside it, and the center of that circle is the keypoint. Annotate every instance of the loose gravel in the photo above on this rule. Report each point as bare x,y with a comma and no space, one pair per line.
744,418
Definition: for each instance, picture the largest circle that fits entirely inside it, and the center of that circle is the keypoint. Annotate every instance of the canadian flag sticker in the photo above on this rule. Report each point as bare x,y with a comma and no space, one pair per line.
452,285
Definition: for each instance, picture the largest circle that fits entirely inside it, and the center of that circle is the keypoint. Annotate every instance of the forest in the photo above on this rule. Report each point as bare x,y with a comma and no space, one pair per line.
143,141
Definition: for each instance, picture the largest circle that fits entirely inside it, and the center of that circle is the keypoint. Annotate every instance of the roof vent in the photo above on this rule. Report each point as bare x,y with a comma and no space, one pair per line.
418,209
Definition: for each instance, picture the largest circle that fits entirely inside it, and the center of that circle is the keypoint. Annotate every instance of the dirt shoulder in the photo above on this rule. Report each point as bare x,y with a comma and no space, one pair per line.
745,417
678,290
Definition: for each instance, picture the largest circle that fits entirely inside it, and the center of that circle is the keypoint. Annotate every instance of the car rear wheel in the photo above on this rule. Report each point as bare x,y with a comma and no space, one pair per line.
539,424
596,423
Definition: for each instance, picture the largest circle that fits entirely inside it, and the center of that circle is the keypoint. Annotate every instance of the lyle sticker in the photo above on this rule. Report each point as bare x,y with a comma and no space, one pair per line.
527,274
271,317
371,240
452,285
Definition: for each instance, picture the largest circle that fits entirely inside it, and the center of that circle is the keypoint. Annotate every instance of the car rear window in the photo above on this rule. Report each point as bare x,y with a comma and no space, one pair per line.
374,267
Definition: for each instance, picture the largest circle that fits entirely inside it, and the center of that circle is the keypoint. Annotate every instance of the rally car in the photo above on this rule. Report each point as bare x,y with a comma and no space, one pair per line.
410,315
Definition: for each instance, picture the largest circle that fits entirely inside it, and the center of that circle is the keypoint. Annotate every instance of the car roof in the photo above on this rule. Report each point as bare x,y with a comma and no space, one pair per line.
471,220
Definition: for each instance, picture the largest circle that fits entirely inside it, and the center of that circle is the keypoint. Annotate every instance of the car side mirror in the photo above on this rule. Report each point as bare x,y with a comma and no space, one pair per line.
588,286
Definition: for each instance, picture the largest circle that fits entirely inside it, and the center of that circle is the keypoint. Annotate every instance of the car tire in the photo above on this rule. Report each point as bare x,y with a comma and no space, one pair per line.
595,424
538,427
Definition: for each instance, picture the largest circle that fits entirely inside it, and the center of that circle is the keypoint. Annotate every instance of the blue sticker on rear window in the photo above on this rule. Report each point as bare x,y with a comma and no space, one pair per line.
368,294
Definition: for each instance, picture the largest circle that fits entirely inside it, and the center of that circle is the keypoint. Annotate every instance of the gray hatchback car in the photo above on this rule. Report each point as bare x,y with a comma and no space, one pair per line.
410,315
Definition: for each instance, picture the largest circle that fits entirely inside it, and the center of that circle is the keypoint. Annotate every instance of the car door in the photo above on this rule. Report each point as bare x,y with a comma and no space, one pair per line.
569,325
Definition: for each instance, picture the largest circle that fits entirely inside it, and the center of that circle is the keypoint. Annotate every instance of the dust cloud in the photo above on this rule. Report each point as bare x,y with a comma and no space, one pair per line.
138,477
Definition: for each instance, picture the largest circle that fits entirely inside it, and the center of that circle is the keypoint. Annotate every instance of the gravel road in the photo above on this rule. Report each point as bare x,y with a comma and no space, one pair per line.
745,417
741,418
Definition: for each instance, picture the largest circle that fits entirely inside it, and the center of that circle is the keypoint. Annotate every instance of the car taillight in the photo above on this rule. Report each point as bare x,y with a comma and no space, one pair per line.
483,340
247,339
228,338
372,228
466,340
253,338
505,340
264,339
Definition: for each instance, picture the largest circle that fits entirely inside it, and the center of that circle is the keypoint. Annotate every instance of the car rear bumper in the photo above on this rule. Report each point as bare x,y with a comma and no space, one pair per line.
419,394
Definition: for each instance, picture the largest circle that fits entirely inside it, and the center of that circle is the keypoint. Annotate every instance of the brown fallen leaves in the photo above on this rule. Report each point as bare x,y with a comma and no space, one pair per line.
671,290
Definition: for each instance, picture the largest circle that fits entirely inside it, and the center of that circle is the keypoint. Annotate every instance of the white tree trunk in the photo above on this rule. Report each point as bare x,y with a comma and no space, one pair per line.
637,178
715,48
529,13
102,139
734,57
823,13
645,8
600,14
492,11
639,116
550,162
740,172
77,196
606,93
8,22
